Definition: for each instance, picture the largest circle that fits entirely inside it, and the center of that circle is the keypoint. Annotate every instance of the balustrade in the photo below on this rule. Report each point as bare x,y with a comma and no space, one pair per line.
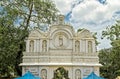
44,57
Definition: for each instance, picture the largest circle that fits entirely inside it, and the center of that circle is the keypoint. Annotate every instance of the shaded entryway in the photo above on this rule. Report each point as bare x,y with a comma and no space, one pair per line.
60,73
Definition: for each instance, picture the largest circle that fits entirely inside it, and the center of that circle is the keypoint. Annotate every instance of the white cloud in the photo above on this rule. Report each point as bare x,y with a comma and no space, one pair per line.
93,11
64,6
92,15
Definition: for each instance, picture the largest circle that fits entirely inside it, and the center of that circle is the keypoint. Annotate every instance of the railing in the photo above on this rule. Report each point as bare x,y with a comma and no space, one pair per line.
58,54
35,53
86,60
35,59
60,57
85,54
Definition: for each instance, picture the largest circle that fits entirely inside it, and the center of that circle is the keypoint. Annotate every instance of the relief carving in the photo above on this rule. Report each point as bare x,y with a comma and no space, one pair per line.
77,46
44,46
77,74
60,40
44,74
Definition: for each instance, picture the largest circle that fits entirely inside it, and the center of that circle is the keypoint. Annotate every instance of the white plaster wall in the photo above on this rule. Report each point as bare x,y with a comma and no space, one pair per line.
85,71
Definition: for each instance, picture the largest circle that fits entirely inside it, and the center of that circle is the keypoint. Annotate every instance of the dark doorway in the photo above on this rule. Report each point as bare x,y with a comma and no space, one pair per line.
61,73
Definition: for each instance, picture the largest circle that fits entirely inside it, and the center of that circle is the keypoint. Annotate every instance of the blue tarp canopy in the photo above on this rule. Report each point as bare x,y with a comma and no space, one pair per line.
93,76
28,75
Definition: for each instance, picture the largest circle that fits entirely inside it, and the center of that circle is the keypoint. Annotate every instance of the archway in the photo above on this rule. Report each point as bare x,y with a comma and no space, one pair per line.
60,73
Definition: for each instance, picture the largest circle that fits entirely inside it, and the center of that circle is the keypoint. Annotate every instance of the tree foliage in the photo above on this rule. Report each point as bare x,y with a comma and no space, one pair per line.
106,57
112,32
17,17
109,57
9,48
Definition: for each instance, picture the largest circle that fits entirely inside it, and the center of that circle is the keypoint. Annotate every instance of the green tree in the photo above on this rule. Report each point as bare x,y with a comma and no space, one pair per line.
112,32
113,67
107,69
9,47
17,17
95,37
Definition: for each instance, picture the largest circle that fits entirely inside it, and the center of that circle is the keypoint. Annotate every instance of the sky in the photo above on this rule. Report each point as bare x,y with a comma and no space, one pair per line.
94,15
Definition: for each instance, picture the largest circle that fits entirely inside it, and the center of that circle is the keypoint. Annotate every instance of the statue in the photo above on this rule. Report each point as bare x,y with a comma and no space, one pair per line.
90,47
44,74
44,46
77,46
60,41
31,49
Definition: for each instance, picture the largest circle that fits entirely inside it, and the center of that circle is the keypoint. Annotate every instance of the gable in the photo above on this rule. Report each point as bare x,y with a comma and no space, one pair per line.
36,34
85,34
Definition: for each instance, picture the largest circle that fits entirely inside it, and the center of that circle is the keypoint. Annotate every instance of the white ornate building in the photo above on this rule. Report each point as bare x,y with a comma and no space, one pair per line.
60,48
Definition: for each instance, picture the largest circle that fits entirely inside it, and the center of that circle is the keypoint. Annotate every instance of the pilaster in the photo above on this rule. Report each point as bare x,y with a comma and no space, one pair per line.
35,45
27,45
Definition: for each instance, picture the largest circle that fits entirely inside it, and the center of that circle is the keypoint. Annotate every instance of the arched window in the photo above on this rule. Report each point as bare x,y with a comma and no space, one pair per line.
44,46
44,74
77,74
77,46
31,49
90,48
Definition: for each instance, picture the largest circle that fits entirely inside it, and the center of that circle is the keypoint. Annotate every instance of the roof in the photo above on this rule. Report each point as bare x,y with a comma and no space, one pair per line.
93,76
28,75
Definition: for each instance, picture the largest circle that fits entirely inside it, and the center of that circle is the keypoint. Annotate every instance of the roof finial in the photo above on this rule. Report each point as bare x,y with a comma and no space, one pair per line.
61,19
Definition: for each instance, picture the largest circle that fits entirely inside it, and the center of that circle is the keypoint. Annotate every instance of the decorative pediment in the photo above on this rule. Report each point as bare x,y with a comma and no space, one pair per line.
85,34
36,34
61,40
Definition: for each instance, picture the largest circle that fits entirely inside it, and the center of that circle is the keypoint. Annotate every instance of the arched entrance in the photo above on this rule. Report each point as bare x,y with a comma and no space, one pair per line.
60,73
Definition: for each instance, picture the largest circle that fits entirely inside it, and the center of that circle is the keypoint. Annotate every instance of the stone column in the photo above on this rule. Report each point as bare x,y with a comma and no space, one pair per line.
35,46
86,46
51,72
80,46
93,46
83,46
47,45
41,45
73,45
23,70
27,45
96,70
